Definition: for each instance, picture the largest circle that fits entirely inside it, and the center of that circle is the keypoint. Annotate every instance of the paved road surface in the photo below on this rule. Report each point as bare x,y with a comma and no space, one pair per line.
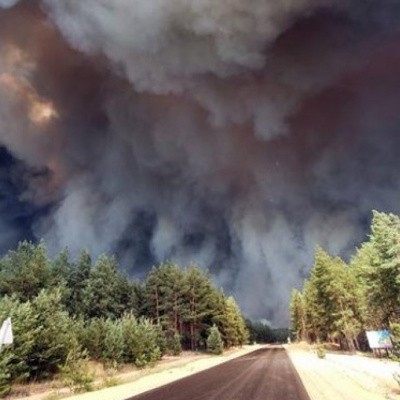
266,374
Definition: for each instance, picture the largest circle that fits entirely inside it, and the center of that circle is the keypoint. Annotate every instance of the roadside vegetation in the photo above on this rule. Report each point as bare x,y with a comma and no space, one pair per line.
67,313
340,301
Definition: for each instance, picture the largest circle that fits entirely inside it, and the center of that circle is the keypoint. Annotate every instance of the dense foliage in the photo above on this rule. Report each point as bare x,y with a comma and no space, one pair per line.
215,345
66,312
340,301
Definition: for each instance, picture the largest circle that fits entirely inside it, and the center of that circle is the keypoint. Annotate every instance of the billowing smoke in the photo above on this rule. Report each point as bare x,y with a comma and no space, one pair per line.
234,134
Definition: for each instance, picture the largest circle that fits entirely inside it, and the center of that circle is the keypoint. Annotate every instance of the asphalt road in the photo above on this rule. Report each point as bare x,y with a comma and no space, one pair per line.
266,374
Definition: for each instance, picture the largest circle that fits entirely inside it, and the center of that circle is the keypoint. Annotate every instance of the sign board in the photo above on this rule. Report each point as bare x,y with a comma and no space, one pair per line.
379,339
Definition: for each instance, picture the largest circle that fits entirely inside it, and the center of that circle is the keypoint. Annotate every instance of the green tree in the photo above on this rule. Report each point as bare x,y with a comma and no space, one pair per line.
344,294
25,329
77,278
198,300
319,316
165,294
93,337
60,269
102,296
215,344
25,271
298,315
259,332
231,323
140,340
54,335
377,264
113,344
330,305
43,334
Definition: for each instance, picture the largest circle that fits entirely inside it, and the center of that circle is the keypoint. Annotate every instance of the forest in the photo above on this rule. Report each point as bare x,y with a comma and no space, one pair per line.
66,312
340,301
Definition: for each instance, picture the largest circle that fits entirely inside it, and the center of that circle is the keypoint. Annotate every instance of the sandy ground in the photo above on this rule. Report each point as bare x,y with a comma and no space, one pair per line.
345,377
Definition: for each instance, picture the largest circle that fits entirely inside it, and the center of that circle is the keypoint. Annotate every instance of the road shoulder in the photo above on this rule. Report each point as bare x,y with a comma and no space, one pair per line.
345,377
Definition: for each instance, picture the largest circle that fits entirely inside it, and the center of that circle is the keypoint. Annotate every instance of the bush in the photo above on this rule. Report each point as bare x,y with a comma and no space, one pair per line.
111,379
113,345
76,371
140,341
25,329
43,335
215,344
5,376
174,344
321,351
93,337
54,337
162,340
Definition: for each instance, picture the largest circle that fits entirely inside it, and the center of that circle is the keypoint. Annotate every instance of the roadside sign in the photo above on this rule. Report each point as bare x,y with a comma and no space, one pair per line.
379,339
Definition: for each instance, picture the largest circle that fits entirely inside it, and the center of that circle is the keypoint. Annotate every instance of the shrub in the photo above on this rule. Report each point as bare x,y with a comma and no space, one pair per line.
25,329
55,335
174,344
321,351
76,371
93,337
5,376
43,334
113,345
111,379
140,341
215,344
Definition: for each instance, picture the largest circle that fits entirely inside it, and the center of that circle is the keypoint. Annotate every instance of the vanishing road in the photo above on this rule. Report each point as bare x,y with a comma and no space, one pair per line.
266,374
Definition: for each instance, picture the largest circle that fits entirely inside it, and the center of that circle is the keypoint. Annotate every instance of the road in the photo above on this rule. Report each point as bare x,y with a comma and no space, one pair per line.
266,374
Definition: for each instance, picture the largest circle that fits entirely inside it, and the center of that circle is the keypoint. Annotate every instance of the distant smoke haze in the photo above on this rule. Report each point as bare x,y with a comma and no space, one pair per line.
236,135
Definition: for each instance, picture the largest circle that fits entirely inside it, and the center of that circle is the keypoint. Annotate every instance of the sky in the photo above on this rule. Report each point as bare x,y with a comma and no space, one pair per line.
234,135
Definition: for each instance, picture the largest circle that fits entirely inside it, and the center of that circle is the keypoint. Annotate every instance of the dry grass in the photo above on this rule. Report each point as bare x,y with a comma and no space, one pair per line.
103,377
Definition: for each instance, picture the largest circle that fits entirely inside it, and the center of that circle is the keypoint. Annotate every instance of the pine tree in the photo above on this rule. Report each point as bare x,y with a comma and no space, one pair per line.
231,323
102,296
77,280
298,315
215,344
344,295
318,304
113,344
165,288
198,300
378,266
60,269
25,272
54,337
331,303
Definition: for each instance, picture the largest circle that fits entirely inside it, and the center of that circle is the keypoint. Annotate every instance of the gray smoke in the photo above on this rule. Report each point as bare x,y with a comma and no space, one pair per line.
237,135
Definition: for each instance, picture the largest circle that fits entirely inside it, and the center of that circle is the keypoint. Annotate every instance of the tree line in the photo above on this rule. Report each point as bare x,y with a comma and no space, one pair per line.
341,300
65,310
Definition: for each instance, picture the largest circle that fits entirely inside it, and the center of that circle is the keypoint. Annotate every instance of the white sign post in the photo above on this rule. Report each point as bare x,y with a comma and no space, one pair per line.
6,334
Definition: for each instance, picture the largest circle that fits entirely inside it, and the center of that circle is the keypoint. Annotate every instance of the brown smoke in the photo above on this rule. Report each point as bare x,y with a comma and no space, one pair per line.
238,135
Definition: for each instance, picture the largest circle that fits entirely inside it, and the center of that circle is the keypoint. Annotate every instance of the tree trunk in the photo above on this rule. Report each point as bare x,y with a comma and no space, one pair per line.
157,306
175,312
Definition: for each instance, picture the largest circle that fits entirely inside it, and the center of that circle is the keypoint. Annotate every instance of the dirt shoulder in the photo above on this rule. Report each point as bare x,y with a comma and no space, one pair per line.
140,381
345,377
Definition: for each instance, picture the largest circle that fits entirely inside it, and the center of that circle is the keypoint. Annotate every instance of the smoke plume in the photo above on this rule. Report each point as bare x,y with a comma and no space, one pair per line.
236,135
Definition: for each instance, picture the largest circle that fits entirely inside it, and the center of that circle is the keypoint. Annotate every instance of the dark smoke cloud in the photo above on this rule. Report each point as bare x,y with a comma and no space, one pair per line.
238,135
